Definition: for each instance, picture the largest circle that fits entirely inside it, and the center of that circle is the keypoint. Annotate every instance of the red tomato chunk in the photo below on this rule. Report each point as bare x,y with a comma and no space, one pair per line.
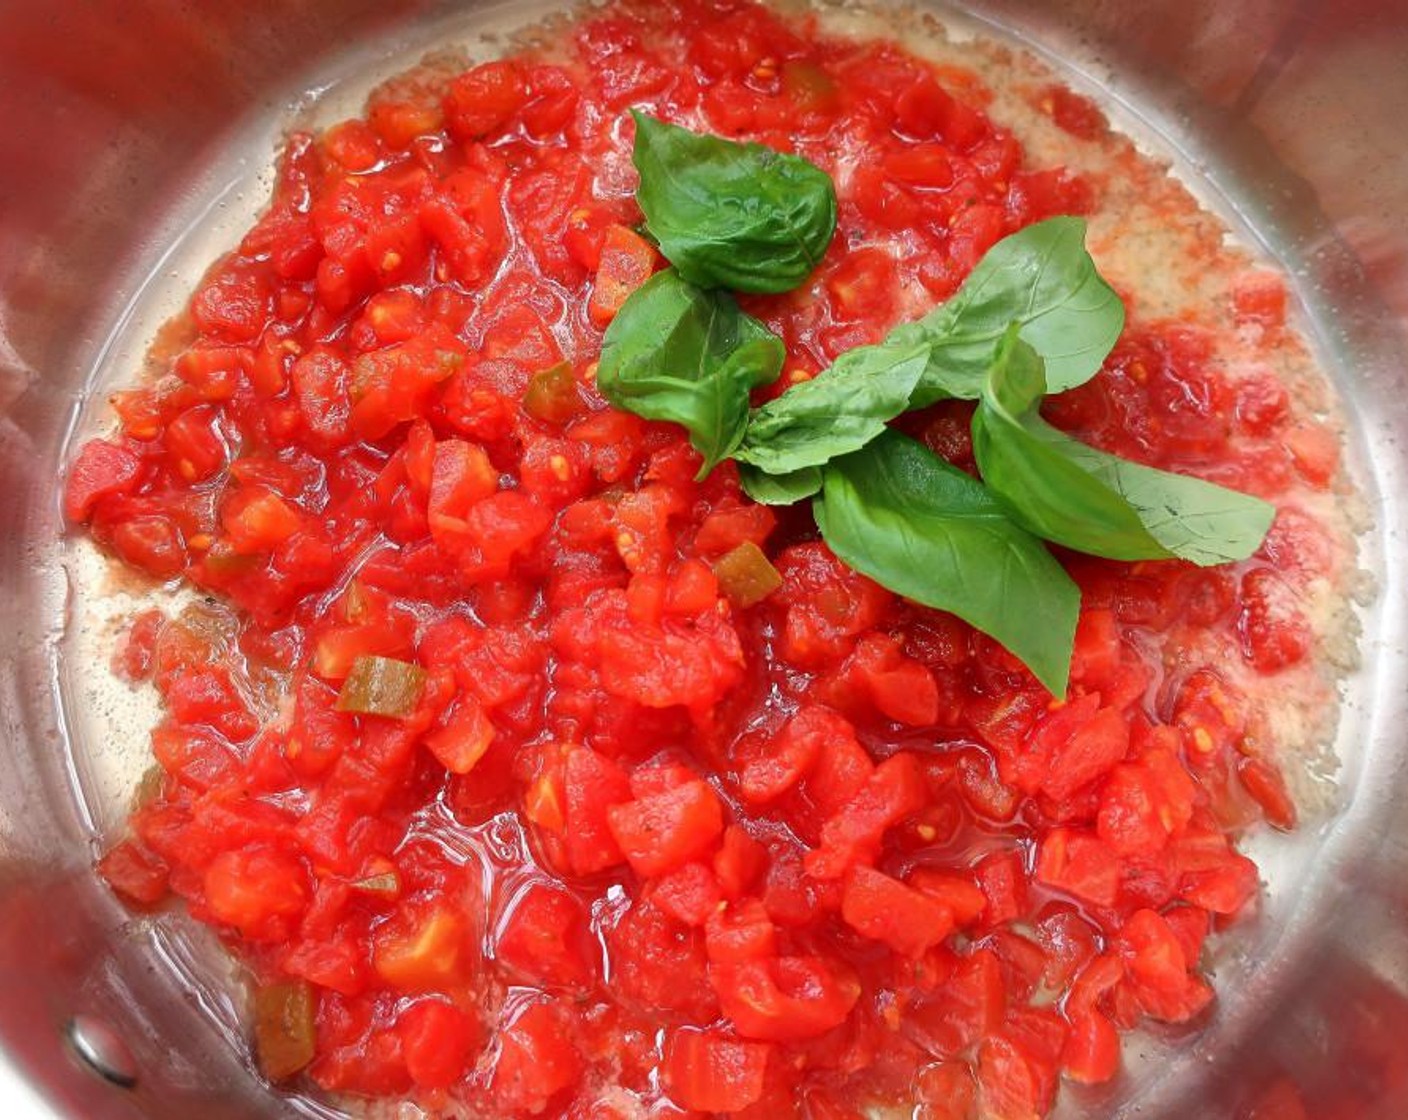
678,806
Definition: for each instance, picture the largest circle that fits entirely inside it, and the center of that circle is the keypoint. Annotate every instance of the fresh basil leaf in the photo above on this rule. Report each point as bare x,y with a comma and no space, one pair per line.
675,352
1093,501
1041,277
901,515
730,215
779,489
839,411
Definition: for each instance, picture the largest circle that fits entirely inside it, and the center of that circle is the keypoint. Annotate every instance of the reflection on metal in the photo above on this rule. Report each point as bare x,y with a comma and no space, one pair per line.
100,1049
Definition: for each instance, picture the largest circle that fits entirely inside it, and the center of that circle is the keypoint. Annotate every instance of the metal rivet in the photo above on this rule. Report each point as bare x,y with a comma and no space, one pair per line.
100,1049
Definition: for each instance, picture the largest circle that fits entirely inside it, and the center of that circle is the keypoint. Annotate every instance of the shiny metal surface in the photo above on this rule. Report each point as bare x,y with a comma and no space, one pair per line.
129,127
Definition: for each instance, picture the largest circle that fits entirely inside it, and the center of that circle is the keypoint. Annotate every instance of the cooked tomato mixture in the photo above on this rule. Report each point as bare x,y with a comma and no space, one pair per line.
530,776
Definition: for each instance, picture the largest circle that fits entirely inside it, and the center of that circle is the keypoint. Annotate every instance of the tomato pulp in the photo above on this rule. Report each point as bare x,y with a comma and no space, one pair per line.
607,826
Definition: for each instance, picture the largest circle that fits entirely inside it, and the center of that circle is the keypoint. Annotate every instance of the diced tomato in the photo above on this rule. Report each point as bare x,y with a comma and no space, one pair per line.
1011,1083
738,862
945,1091
841,766
660,963
437,1041
784,998
891,793
1080,864
258,891
530,773
969,1006
885,909
711,1072
689,894
482,100
956,893
625,263
194,445
900,688
537,1061
593,786
740,933
135,873
102,468
1092,1053
545,938
661,833
460,742
776,765
461,476
257,521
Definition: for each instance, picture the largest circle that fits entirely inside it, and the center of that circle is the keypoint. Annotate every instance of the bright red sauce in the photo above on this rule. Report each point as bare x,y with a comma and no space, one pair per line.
638,844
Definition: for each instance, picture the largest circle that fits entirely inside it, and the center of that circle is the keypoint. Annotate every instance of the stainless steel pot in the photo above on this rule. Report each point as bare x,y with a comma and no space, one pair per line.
127,124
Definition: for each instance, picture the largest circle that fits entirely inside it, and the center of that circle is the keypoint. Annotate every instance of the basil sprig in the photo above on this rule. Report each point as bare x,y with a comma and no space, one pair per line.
1093,501
729,215
1041,278
676,352
1035,316
839,411
913,522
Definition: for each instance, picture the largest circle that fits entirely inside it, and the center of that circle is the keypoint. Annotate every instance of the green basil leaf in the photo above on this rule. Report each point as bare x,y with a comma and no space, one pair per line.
1093,501
1040,277
729,215
674,352
779,489
901,515
839,411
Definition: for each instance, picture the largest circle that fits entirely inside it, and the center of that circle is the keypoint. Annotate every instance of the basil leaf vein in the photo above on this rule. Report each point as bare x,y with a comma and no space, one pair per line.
903,516
731,215
1090,500
675,352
